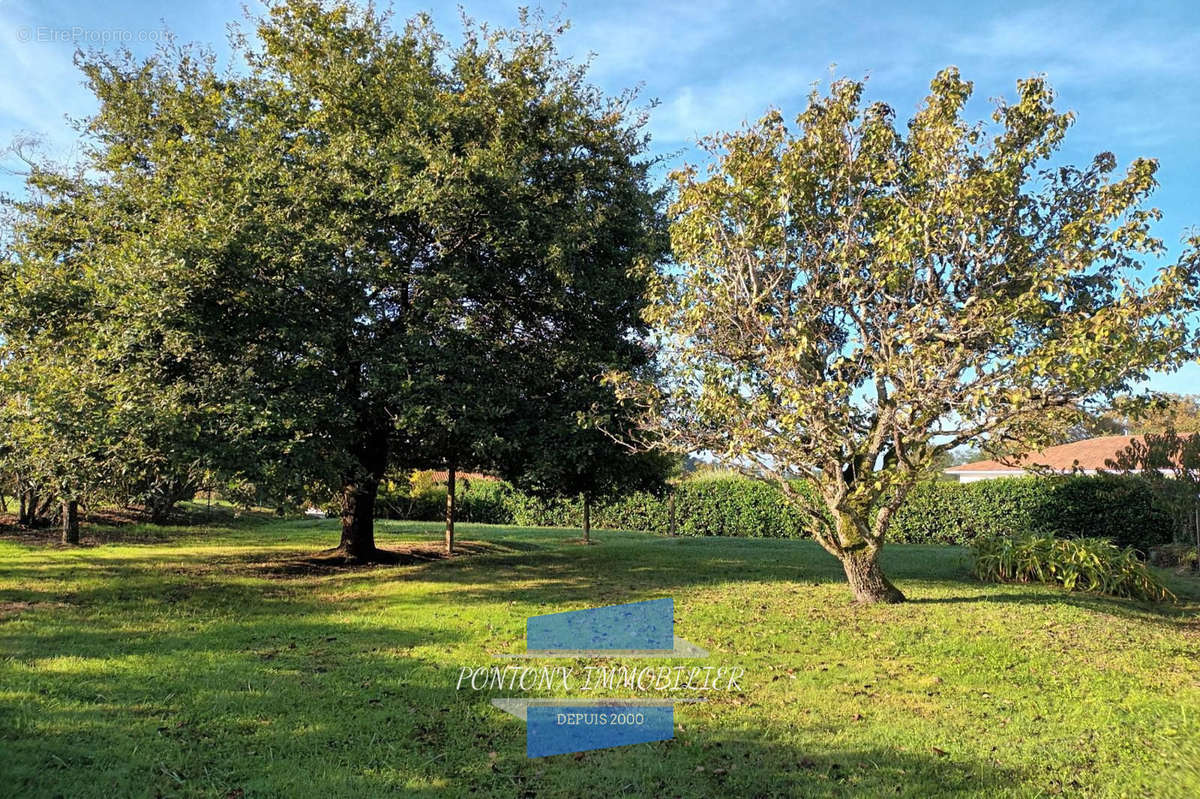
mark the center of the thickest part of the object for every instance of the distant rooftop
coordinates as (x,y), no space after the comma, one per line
(441,476)
(1089,455)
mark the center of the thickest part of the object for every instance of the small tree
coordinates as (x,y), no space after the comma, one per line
(1161,413)
(854,298)
(581,457)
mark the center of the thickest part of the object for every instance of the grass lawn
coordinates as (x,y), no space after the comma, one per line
(193,662)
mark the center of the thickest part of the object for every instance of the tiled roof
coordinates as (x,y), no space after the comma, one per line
(443,475)
(1091,453)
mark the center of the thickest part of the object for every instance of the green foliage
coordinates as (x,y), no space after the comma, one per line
(706,506)
(1077,564)
(1165,413)
(638,510)
(713,506)
(733,506)
(366,247)
(422,499)
(854,295)
(1157,455)
(1123,509)
(1181,555)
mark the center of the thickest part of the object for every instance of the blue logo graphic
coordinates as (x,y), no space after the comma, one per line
(646,625)
(639,629)
(559,729)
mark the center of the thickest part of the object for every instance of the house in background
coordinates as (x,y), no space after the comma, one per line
(1087,457)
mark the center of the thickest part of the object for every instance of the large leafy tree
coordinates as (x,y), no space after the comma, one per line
(854,298)
(346,255)
(83,419)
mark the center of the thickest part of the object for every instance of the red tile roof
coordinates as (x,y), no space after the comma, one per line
(1089,454)
(443,475)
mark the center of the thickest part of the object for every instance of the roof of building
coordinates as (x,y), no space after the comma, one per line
(441,476)
(1089,454)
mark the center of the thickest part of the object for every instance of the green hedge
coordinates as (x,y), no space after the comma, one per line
(723,506)
(637,511)
(1122,509)
(703,507)
(732,506)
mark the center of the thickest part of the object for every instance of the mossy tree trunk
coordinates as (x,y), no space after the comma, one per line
(857,547)
(868,582)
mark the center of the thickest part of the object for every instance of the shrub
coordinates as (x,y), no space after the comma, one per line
(737,506)
(1181,555)
(480,501)
(1121,508)
(1077,564)
(711,505)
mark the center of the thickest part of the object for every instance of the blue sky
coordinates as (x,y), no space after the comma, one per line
(1130,71)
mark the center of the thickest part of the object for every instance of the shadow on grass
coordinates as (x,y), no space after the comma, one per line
(332,717)
(1180,616)
(756,766)
(195,674)
(535,567)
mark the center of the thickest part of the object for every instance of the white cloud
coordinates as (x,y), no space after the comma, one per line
(1081,46)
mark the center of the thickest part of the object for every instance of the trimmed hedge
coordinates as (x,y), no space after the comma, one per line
(703,507)
(1122,509)
(637,511)
(706,506)
(732,506)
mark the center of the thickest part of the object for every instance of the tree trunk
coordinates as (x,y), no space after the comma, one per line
(43,509)
(358,499)
(450,508)
(158,510)
(866,579)
(587,519)
(29,502)
(70,522)
(1196,525)
(671,511)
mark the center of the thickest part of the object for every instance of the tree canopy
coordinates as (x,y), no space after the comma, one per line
(853,297)
(362,250)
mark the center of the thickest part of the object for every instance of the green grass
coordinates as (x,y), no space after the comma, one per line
(184,664)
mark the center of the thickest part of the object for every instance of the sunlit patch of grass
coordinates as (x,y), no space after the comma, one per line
(182,664)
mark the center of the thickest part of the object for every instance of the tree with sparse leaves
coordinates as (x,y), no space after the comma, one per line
(1160,413)
(854,298)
